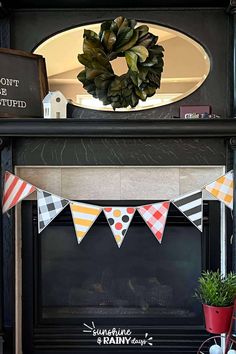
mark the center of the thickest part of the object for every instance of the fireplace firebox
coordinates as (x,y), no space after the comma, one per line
(143,287)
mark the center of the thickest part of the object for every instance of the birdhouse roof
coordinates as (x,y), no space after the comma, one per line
(52,95)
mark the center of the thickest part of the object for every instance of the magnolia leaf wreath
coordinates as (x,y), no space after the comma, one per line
(144,58)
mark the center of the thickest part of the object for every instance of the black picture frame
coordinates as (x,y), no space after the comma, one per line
(23,84)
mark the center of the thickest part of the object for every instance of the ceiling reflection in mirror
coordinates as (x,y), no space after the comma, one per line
(186,66)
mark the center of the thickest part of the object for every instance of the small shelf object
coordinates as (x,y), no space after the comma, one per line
(55,105)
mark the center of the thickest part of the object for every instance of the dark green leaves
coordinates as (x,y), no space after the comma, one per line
(144,59)
(142,30)
(108,40)
(141,51)
(131,59)
(128,41)
(123,23)
(147,40)
(123,39)
(91,41)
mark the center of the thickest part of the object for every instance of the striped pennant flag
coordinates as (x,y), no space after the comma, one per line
(155,216)
(191,205)
(119,219)
(84,215)
(15,189)
(222,189)
(49,206)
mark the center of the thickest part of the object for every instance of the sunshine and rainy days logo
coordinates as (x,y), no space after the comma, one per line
(116,336)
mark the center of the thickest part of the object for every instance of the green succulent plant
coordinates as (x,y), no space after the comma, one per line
(216,290)
(121,38)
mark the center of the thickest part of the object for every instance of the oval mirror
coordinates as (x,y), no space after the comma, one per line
(186,66)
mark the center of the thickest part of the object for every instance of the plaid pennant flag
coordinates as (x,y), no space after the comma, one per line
(155,216)
(222,189)
(119,219)
(191,205)
(49,206)
(15,189)
(84,215)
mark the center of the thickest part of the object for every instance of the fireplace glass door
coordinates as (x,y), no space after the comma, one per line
(143,284)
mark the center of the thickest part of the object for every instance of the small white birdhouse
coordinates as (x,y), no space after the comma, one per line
(54,105)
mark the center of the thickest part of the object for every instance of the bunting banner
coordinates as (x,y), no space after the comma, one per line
(191,205)
(15,189)
(119,219)
(155,216)
(222,189)
(84,215)
(49,206)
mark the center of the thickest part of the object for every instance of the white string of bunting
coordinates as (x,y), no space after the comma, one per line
(119,218)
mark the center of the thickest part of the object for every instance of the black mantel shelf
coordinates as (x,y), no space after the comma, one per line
(39,127)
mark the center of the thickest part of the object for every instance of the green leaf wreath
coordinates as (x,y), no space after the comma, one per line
(120,38)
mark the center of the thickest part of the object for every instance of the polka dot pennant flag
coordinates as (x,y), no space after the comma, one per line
(155,216)
(119,219)
(222,189)
(84,215)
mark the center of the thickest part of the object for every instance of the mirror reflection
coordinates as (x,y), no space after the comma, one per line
(186,66)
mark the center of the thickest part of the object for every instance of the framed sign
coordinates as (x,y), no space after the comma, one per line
(23,84)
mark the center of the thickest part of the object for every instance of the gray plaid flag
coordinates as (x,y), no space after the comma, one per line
(49,206)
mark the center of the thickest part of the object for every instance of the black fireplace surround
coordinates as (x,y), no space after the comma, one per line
(144,287)
(154,299)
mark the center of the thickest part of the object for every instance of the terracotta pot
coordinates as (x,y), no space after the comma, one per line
(217,319)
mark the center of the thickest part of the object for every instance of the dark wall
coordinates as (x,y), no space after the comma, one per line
(210,27)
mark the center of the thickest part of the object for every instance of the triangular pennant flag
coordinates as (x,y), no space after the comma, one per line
(191,205)
(119,219)
(49,206)
(15,189)
(222,189)
(155,216)
(84,215)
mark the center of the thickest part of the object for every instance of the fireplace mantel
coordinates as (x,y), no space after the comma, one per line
(167,128)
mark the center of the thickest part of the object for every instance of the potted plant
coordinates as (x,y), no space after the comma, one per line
(217,294)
